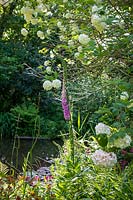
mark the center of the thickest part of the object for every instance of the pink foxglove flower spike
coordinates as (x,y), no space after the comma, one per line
(65,105)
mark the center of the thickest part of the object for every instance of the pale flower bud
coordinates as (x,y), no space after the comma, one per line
(40,34)
(24,32)
(46,62)
(80,49)
(124,95)
(48,70)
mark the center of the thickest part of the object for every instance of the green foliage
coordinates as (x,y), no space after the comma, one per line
(83,180)
(26,119)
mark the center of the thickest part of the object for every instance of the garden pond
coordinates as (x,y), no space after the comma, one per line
(14,151)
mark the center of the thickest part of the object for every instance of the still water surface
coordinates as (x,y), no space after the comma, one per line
(14,151)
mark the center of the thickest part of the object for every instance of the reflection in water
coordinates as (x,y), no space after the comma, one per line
(14,151)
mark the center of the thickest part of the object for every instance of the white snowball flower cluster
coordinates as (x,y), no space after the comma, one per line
(98,23)
(48,85)
(83,39)
(40,34)
(56,84)
(104,159)
(24,32)
(124,95)
(122,142)
(101,128)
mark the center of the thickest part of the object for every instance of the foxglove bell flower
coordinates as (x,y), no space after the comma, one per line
(65,105)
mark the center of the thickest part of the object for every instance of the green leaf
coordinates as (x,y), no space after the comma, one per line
(102,140)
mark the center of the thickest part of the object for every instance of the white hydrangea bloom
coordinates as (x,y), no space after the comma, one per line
(98,23)
(102,128)
(122,142)
(47,85)
(65,1)
(40,34)
(56,83)
(103,158)
(24,32)
(83,39)
(48,70)
(124,96)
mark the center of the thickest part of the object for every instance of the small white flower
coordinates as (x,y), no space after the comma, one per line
(94,8)
(124,95)
(63,28)
(83,39)
(70,62)
(46,62)
(49,13)
(76,55)
(41,8)
(52,54)
(56,83)
(40,34)
(34,21)
(48,70)
(80,49)
(47,85)
(122,142)
(48,31)
(61,37)
(102,129)
(126,34)
(24,32)
(71,43)
(104,159)
(68,15)
(59,24)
